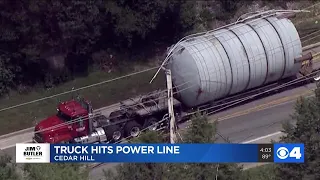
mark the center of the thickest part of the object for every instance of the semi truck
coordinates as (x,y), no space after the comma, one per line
(207,70)
(76,122)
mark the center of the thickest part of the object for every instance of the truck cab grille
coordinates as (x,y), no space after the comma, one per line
(38,138)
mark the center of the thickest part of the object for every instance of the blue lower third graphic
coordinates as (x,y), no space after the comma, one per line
(156,153)
(289,153)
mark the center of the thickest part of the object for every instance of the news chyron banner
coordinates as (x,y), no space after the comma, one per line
(159,153)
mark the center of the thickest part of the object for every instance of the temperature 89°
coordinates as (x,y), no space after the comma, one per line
(266,156)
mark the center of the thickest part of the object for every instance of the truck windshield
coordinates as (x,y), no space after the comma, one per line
(83,104)
(63,116)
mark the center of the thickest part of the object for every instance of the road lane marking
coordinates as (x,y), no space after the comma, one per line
(262,137)
(252,165)
(10,146)
(267,105)
(27,130)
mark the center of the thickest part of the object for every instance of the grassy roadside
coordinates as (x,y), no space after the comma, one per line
(100,96)
(109,93)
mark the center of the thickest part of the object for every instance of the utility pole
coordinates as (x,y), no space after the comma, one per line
(172,126)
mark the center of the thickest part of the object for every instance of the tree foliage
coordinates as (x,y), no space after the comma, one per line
(7,169)
(55,172)
(53,41)
(202,131)
(12,171)
(306,131)
(143,171)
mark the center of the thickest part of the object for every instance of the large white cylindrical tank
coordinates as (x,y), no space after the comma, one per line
(234,59)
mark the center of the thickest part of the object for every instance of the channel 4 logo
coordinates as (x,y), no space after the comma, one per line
(289,153)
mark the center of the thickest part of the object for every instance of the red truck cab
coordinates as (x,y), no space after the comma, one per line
(71,121)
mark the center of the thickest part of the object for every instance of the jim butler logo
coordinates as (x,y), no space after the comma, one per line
(32,152)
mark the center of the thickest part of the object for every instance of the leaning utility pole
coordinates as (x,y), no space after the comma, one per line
(172,126)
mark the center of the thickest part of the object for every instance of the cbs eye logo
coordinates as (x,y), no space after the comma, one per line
(283,153)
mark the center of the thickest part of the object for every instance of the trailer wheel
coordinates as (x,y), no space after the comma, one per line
(114,133)
(133,129)
(152,124)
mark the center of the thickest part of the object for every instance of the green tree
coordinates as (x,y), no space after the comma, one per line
(6,74)
(202,131)
(306,130)
(134,19)
(53,41)
(141,171)
(35,33)
(55,171)
(7,169)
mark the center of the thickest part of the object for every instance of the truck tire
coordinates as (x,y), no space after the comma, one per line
(114,133)
(132,129)
(152,124)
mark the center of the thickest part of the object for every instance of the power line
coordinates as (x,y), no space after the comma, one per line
(312,38)
(225,105)
(206,33)
(152,100)
(108,107)
(77,89)
(311,34)
(83,119)
(286,84)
